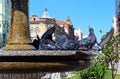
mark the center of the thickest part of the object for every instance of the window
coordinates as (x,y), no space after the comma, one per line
(34,19)
(37,31)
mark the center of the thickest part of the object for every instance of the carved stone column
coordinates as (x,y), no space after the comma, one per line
(19,36)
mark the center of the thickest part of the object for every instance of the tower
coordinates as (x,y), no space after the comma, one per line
(45,14)
(70,28)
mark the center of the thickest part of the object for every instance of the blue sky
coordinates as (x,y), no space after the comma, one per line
(97,14)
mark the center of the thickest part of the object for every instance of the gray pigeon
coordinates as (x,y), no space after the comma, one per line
(46,41)
(104,41)
(89,42)
(65,43)
(48,34)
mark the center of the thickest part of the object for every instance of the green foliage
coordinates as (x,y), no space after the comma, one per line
(111,50)
(96,72)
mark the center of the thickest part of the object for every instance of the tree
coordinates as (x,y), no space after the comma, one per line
(112,55)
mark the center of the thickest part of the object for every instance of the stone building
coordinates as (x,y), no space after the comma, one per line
(38,26)
(5,20)
(79,34)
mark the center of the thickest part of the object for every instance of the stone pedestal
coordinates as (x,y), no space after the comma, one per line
(19,36)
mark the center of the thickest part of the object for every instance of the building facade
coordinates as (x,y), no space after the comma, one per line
(79,34)
(38,26)
(5,20)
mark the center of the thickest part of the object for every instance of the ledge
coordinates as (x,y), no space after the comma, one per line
(45,61)
(44,53)
(37,53)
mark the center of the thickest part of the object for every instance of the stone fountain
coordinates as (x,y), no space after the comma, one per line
(20,60)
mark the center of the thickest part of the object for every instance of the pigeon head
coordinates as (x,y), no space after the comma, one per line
(91,30)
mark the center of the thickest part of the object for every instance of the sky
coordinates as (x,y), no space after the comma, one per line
(97,14)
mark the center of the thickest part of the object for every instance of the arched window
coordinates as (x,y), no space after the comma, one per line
(32,33)
(37,31)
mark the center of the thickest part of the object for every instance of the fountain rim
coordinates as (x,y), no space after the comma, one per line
(45,52)
(39,61)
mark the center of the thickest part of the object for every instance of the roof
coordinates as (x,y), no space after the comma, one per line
(60,23)
(34,18)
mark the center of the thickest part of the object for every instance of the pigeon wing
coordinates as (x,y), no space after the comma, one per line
(107,38)
(48,33)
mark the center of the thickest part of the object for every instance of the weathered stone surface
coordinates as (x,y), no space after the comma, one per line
(31,67)
(38,53)
(46,53)
(45,61)
(19,34)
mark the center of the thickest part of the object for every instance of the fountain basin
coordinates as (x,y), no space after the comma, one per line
(45,61)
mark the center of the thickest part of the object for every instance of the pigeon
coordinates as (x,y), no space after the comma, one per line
(48,34)
(46,40)
(64,43)
(106,39)
(88,42)
(36,42)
